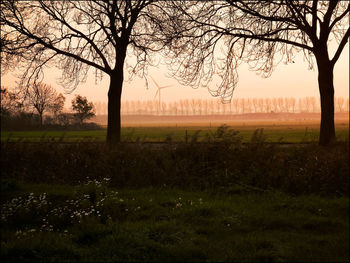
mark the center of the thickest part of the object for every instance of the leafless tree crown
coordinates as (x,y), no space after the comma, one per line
(214,37)
(78,35)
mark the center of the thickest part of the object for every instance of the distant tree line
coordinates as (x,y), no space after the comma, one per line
(40,107)
(215,106)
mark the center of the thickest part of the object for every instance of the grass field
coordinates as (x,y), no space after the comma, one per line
(290,133)
(63,224)
(220,201)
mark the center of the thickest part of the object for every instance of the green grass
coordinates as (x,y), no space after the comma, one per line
(214,201)
(284,133)
(153,224)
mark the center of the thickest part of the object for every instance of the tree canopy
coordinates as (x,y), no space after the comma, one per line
(42,97)
(214,37)
(78,35)
(83,110)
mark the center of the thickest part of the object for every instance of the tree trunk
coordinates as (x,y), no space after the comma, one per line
(114,102)
(41,119)
(326,88)
(115,94)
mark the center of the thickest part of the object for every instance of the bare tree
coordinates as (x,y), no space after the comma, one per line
(313,103)
(176,108)
(243,105)
(127,107)
(164,108)
(42,97)
(340,102)
(280,103)
(254,32)
(261,104)
(218,106)
(205,104)
(268,105)
(274,104)
(235,103)
(78,35)
(286,104)
(307,104)
(132,107)
(9,101)
(150,106)
(57,107)
(138,107)
(292,102)
(199,106)
(300,105)
(249,105)
(98,107)
(193,104)
(225,106)
(187,106)
(210,106)
(255,104)
(145,107)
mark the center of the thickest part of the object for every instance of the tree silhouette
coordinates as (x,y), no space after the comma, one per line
(254,32)
(339,102)
(10,102)
(83,110)
(42,98)
(78,35)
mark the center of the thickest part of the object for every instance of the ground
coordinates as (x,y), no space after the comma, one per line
(231,195)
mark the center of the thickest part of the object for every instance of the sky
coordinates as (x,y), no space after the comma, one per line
(292,80)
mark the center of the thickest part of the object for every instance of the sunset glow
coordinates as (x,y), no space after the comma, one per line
(293,80)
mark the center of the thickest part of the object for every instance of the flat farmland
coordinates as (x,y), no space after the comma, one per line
(287,132)
(82,202)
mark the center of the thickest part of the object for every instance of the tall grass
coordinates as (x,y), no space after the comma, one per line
(220,201)
(221,163)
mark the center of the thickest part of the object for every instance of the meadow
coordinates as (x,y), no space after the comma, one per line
(223,200)
(287,132)
(56,223)
(216,194)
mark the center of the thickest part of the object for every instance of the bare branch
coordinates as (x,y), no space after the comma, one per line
(340,47)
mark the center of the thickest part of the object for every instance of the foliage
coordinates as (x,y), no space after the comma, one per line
(83,109)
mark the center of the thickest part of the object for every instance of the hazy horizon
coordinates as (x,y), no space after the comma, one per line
(292,80)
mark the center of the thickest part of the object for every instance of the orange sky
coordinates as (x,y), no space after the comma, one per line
(287,80)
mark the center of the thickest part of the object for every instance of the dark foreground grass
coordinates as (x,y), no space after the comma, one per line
(222,162)
(215,201)
(95,223)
